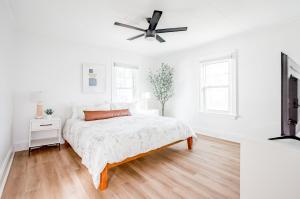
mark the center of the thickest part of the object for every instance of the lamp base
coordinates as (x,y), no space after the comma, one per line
(39,111)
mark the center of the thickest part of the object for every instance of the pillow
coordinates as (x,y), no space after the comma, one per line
(78,110)
(118,106)
(100,115)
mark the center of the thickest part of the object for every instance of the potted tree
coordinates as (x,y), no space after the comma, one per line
(162,84)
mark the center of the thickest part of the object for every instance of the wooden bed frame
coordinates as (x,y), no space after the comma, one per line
(104,177)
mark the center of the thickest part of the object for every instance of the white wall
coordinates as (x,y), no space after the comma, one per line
(54,66)
(6,107)
(258,81)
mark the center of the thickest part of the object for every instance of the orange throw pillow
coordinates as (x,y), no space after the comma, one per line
(100,115)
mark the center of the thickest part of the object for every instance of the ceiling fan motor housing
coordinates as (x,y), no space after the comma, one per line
(150,33)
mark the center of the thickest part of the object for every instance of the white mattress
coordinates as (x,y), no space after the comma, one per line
(113,140)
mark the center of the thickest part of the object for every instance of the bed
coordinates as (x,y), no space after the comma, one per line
(103,144)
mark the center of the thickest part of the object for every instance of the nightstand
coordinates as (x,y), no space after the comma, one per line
(44,132)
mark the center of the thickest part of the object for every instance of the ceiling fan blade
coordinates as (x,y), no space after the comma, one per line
(135,37)
(171,30)
(128,26)
(154,20)
(160,39)
(148,19)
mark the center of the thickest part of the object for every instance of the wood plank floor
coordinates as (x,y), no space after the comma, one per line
(211,170)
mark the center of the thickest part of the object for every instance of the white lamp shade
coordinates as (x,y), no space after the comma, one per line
(37,96)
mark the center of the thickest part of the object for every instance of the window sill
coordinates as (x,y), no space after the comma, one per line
(221,115)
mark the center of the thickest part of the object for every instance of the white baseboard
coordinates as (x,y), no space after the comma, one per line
(224,136)
(5,168)
(21,146)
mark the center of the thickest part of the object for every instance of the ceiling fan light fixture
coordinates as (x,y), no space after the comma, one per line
(150,38)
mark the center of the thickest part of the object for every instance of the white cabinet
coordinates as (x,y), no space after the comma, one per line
(270,169)
(44,132)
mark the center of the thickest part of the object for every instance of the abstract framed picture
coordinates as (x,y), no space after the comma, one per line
(93,78)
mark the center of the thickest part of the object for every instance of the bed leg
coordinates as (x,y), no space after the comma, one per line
(190,143)
(103,179)
(67,144)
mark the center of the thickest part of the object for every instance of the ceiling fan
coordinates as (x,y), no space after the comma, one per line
(151,33)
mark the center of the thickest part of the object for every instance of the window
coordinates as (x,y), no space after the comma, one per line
(124,83)
(218,86)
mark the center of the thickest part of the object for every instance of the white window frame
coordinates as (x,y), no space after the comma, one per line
(114,97)
(232,85)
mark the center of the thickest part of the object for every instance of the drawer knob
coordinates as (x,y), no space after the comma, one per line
(45,124)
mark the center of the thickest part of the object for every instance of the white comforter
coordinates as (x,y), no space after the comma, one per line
(113,140)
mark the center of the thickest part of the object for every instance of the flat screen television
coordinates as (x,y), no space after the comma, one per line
(290,73)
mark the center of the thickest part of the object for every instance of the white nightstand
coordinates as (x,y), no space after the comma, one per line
(44,132)
(153,112)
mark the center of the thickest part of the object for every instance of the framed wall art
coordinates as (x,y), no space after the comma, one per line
(93,78)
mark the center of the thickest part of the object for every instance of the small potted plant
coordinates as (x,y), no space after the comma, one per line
(49,112)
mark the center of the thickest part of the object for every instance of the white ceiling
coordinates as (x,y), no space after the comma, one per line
(91,21)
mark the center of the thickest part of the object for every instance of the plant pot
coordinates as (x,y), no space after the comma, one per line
(49,116)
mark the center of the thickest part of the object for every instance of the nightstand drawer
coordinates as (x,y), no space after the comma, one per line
(44,125)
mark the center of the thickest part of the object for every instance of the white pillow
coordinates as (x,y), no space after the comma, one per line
(78,110)
(131,106)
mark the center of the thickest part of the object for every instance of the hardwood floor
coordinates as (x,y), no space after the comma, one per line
(211,170)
